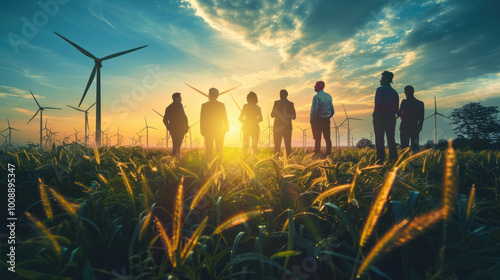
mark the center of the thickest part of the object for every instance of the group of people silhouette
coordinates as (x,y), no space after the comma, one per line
(214,122)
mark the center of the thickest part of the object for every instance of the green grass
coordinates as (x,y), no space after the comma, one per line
(118,213)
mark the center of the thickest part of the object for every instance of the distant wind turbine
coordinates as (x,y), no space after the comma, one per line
(10,132)
(303,136)
(166,137)
(40,109)
(86,119)
(96,72)
(348,125)
(435,114)
(147,131)
(337,135)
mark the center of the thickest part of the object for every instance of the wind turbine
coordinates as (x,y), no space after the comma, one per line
(40,109)
(96,72)
(86,119)
(147,131)
(10,132)
(303,136)
(190,138)
(435,122)
(166,137)
(348,127)
(371,135)
(337,135)
(268,128)
(119,138)
(76,135)
(220,93)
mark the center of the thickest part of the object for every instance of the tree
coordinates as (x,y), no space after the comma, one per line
(365,143)
(475,121)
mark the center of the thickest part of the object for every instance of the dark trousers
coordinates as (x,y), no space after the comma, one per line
(321,126)
(176,143)
(410,136)
(209,144)
(286,135)
(385,126)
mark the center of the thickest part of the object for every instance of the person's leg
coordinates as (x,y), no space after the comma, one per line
(379,140)
(255,143)
(246,139)
(219,142)
(277,142)
(175,144)
(316,130)
(390,129)
(287,135)
(404,137)
(209,146)
(326,135)
(415,142)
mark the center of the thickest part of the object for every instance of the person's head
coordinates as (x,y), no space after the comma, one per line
(386,78)
(213,93)
(177,97)
(252,98)
(283,94)
(409,91)
(320,85)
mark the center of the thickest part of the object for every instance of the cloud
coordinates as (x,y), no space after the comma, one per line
(25,111)
(6,91)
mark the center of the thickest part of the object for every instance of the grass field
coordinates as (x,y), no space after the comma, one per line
(130,213)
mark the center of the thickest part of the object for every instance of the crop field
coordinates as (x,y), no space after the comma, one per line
(133,213)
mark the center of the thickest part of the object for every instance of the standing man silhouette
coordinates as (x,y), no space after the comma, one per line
(251,116)
(411,113)
(213,123)
(384,117)
(321,112)
(283,113)
(176,121)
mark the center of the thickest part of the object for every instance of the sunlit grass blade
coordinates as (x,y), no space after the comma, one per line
(146,191)
(145,225)
(177,218)
(378,206)
(47,208)
(97,156)
(410,158)
(127,183)
(471,201)
(400,234)
(331,191)
(450,181)
(236,220)
(66,205)
(351,197)
(167,243)
(203,190)
(193,240)
(45,231)
(248,171)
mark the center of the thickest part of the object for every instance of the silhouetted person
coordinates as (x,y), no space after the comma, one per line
(283,114)
(411,113)
(384,117)
(321,112)
(251,116)
(176,122)
(213,123)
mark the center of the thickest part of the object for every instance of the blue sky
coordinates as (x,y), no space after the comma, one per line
(447,49)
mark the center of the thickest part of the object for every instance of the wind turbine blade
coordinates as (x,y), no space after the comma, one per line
(157,113)
(4,130)
(35,99)
(355,119)
(146,121)
(204,94)
(442,115)
(342,122)
(345,112)
(141,130)
(299,127)
(15,129)
(194,124)
(8,122)
(33,116)
(92,75)
(229,89)
(75,108)
(90,107)
(78,47)
(235,102)
(121,53)
(430,116)
(153,127)
(52,108)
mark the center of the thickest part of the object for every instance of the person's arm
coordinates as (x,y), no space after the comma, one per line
(242,114)
(396,103)
(421,117)
(166,119)
(330,108)
(272,111)
(226,121)
(401,110)
(292,114)
(378,101)
(314,107)
(202,121)
(259,116)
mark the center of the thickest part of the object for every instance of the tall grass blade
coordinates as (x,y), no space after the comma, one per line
(165,240)
(148,195)
(177,218)
(66,205)
(96,155)
(331,191)
(471,201)
(203,190)
(127,184)
(41,227)
(236,220)
(193,240)
(47,208)
(450,181)
(378,206)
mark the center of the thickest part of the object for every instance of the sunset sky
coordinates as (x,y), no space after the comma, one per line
(447,49)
